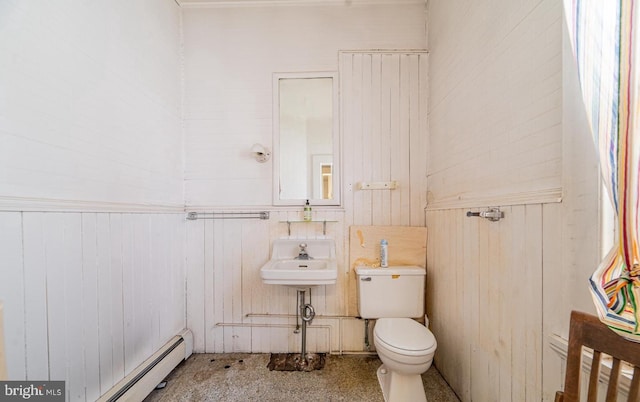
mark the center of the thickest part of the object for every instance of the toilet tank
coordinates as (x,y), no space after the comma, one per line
(390,292)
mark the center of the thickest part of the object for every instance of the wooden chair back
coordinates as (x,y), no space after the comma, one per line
(588,331)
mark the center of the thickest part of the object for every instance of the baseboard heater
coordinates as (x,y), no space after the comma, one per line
(137,385)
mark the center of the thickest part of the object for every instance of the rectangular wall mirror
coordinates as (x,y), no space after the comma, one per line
(305,139)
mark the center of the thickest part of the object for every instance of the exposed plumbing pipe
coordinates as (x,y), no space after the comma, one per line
(307,312)
(327,327)
(303,351)
(366,334)
(297,330)
(319,316)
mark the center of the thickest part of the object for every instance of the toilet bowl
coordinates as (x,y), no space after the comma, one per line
(406,349)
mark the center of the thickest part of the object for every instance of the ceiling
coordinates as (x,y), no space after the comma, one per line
(253,3)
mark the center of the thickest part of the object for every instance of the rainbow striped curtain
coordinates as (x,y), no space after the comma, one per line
(605,37)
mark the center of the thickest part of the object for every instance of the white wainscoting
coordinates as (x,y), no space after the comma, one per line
(485,299)
(89,296)
(229,309)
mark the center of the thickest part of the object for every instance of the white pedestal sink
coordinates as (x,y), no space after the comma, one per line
(284,269)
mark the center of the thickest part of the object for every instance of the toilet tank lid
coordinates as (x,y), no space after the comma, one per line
(411,270)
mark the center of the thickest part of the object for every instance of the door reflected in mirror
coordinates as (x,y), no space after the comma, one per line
(305,139)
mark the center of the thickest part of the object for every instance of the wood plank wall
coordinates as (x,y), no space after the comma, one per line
(229,309)
(502,270)
(485,289)
(384,125)
(93,124)
(101,97)
(89,296)
(382,141)
(505,131)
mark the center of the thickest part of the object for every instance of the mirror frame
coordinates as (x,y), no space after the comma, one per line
(337,189)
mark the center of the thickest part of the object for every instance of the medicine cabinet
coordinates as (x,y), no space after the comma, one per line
(305,140)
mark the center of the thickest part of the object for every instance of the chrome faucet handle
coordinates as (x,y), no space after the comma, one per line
(302,254)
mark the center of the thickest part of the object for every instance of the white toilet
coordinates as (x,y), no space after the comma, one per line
(393,296)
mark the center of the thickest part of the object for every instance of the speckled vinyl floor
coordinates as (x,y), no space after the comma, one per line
(245,377)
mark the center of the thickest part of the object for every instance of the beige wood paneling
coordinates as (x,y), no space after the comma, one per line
(485,298)
(407,246)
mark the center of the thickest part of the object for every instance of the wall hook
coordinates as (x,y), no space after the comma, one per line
(261,153)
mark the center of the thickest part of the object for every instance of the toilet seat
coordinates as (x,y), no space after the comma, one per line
(404,336)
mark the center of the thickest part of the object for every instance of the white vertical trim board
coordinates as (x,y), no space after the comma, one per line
(12,293)
(90,315)
(3,360)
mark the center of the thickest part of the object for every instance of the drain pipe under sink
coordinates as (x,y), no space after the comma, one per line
(307,312)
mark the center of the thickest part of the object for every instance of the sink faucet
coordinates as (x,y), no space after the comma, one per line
(302,255)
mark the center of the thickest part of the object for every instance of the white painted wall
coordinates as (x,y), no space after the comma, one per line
(506,128)
(95,119)
(586,219)
(107,138)
(224,117)
(229,309)
(230,56)
(495,100)
(90,120)
(90,102)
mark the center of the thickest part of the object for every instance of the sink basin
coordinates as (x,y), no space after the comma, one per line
(284,269)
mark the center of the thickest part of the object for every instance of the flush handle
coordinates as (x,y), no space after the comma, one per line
(367,279)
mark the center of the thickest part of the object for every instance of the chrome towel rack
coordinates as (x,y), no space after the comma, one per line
(192,216)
